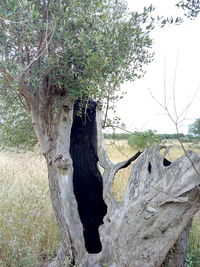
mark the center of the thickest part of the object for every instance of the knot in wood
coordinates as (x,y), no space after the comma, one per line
(99,105)
(67,106)
(61,162)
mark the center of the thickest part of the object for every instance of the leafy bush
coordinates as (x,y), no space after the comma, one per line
(15,123)
(193,258)
(144,139)
(16,130)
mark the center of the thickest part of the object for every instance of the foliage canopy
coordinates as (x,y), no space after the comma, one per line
(15,126)
(80,48)
(191,7)
(77,49)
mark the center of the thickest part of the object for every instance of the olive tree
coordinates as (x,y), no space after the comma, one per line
(63,59)
(190,7)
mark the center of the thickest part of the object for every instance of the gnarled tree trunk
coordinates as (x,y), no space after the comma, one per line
(160,200)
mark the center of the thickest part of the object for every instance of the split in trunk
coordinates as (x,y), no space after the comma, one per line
(87,179)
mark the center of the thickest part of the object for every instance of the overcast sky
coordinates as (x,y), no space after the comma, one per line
(172,45)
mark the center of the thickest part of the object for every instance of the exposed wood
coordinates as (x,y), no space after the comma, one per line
(159,202)
(155,207)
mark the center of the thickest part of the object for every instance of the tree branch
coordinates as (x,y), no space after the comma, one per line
(23,89)
(126,163)
(43,48)
(6,75)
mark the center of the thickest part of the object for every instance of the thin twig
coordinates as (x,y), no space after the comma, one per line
(177,120)
(106,112)
(174,86)
(40,53)
(118,149)
(118,127)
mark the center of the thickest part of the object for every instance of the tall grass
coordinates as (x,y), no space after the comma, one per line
(28,233)
(193,256)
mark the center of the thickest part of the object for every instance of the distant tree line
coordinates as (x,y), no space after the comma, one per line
(141,140)
(167,136)
(117,136)
(16,131)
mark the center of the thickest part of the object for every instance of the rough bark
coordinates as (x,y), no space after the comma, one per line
(159,202)
(177,254)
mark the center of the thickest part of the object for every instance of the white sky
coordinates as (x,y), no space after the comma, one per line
(181,44)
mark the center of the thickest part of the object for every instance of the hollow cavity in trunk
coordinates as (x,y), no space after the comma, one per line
(87,180)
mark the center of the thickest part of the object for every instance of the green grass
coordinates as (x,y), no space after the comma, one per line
(193,256)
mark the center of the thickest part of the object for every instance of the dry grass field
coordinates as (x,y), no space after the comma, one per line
(28,232)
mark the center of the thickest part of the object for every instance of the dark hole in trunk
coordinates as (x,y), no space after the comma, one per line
(149,167)
(166,162)
(87,180)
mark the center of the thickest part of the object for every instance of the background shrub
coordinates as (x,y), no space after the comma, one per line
(144,139)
